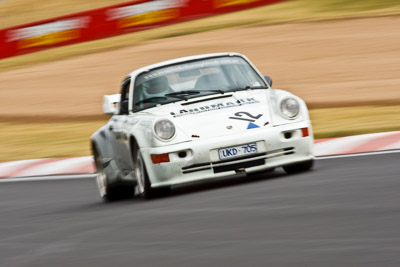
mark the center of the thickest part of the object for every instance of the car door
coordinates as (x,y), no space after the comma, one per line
(118,126)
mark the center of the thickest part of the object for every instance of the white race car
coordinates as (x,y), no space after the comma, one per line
(197,118)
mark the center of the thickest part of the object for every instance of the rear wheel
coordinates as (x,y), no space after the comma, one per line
(107,191)
(299,167)
(142,178)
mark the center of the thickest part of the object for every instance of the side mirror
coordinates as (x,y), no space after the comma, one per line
(110,103)
(268,79)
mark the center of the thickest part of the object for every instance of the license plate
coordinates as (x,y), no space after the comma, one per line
(237,151)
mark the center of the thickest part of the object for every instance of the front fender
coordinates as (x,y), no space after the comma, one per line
(276,95)
(103,144)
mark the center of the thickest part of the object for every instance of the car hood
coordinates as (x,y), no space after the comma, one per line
(219,115)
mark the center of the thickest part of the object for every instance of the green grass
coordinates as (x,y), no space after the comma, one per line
(29,140)
(335,122)
(352,5)
(288,11)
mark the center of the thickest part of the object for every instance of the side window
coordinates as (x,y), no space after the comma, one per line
(124,103)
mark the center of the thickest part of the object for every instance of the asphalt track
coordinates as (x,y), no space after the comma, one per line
(344,213)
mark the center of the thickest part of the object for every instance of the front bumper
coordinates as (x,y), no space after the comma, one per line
(199,160)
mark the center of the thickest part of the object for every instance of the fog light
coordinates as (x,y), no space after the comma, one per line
(156,159)
(182,154)
(287,135)
(304,132)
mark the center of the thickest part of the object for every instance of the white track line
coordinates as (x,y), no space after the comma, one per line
(58,167)
(14,166)
(342,144)
(392,146)
(359,154)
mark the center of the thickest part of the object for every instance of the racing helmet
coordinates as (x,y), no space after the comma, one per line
(157,85)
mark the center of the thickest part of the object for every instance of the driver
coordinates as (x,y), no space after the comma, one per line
(157,87)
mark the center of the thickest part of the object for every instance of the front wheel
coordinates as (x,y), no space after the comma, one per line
(142,179)
(299,167)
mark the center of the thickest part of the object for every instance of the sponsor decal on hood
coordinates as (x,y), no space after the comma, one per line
(212,107)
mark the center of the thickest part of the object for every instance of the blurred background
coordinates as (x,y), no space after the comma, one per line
(341,56)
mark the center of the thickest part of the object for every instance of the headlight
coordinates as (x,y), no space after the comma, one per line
(164,129)
(290,107)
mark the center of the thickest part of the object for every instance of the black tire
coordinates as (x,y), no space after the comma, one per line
(142,178)
(109,192)
(299,167)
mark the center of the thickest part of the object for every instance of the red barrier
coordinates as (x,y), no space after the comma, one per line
(112,20)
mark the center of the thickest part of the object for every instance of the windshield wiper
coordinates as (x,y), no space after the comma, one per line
(181,94)
(214,91)
(193,92)
(156,99)
(151,100)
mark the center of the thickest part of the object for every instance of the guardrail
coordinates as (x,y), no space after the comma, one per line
(111,21)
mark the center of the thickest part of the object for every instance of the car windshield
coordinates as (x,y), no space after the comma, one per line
(193,79)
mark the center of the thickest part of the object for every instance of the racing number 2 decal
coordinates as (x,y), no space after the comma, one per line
(245,116)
